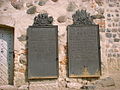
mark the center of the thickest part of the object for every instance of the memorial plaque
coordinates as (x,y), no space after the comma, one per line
(42,52)
(84,50)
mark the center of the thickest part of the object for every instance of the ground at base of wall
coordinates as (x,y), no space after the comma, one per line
(9,87)
(14,88)
(108,83)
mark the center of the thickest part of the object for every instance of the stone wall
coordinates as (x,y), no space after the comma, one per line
(20,14)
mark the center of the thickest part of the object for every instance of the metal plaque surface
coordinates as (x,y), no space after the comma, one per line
(83,51)
(42,52)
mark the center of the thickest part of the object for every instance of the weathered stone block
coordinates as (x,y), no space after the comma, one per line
(23,59)
(23,87)
(42,2)
(31,10)
(108,35)
(17,4)
(54,0)
(89,87)
(62,19)
(8,87)
(116,40)
(74,85)
(107,82)
(114,35)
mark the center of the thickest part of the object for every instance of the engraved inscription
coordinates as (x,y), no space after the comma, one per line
(42,52)
(83,49)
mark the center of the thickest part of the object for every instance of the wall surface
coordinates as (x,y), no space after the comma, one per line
(20,14)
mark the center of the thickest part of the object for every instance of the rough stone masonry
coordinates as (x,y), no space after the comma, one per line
(19,14)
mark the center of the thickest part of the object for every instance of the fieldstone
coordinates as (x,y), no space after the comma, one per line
(8,87)
(111,5)
(23,59)
(108,15)
(74,85)
(110,55)
(114,35)
(88,87)
(97,16)
(108,30)
(42,2)
(107,82)
(31,10)
(71,6)
(108,35)
(72,80)
(22,38)
(19,78)
(5,9)
(62,82)
(114,55)
(54,0)
(17,4)
(99,2)
(110,41)
(116,40)
(118,55)
(23,87)
(62,19)
(114,30)
(116,10)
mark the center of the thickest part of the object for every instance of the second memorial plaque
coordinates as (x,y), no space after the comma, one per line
(83,46)
(83,51)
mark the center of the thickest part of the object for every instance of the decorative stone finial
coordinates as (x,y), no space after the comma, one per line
(82,17)
(43,19)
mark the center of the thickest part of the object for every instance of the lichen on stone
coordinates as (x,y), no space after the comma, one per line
(31,10)
(42,2)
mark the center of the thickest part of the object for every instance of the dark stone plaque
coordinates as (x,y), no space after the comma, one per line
(42,48)
(42,52)
(84,51)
